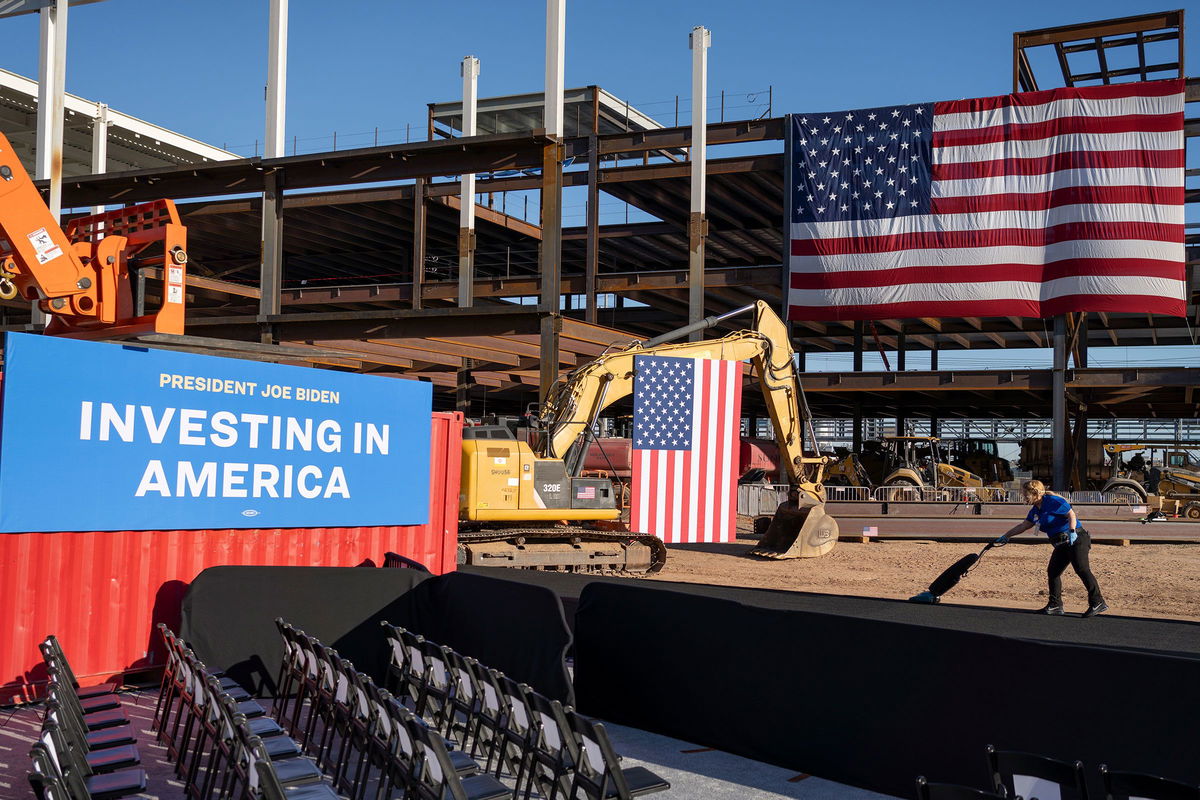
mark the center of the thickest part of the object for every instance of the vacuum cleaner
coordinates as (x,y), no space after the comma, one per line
(953,574)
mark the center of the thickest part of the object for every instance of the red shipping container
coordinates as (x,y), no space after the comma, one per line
(613,455)
(101,593)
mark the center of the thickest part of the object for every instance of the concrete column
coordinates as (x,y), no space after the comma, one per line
(466,214)
(699,40)
(1058,398)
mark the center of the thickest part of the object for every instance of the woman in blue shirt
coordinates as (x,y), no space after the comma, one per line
(1054,516)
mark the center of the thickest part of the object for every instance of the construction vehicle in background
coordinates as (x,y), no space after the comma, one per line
(916,463)
(980,457)
(529,505)
(80,275)
(1167,477)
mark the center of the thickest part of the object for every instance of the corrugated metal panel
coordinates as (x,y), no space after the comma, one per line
(102,593)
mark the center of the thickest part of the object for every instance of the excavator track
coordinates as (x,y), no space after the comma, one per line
(563,549)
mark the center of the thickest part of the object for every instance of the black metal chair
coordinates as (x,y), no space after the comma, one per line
(953,791)
(598,772)
(554,753)
(1013,774)
(263,781)
(434,775)
(1125,785)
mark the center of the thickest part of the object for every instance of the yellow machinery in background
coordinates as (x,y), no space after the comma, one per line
(1170,482)
(916,462)
(524,505)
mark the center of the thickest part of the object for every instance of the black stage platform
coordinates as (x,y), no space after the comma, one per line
(875,692)
(1109,630)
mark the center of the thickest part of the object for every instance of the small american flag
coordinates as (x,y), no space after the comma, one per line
(1029,205)
(687,415)
(586,493)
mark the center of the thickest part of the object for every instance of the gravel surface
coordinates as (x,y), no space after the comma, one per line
(1148,580)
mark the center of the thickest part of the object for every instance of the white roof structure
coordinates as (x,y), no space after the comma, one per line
(132,143)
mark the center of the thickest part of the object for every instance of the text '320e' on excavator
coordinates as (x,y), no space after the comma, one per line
(524,505)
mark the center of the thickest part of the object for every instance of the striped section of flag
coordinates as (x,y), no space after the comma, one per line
(1029,204)
(686,423)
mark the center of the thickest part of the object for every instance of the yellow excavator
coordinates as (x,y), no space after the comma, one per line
(1173,486)
(528,505)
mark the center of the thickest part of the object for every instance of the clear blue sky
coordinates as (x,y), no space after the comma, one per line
(199,66)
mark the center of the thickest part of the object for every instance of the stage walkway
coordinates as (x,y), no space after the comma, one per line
(1175,637)
(693,771)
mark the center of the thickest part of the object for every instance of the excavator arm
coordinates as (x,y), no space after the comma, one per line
(80,275)
(576,403)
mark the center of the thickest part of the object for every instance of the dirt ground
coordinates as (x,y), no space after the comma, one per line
(1140,580)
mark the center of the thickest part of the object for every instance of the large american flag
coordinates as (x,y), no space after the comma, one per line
(687,415)
(1030,205)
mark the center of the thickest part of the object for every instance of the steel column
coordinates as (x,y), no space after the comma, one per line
(271,277)
(466,216)
(418,260)
(462,389)
(273,147)
(551,327)
(858,346)
(552,155)
(100,145)
(592,259)
(933,354)
(1058,396)
(699,41)
(901,348)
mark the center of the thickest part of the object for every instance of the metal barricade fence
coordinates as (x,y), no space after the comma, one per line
(759,499)
(854,494)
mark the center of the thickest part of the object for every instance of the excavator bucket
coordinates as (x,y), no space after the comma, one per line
(798,531)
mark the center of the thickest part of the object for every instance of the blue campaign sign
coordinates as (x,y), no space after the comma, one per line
(99,436)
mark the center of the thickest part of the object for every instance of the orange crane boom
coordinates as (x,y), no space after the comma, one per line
(80,276)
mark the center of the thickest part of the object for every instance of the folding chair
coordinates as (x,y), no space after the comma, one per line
(434,776)
(80,786)
(1016,774)
(45,779)
(323,706)
(554,752)
(465,699)
(436,701)
(292,768)
(93,720)
(952,791)
(517,731)
(52,645)
(1126,785)
(398,661)
(309,686)
(490,717)
(598,771)
(418,670)
(86,762)
(93,699)
(263,781)
(114,736)
(290,665)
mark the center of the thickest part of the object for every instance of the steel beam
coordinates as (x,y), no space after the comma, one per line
(1058,399)
(466,216)
(592,253)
